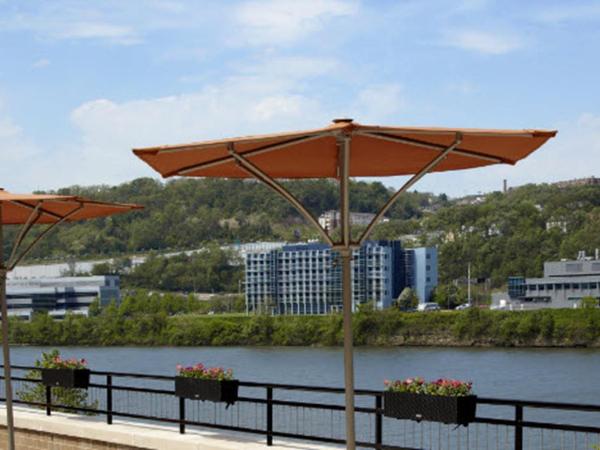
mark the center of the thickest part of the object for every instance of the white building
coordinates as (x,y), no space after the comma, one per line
(59,295)
(330,220)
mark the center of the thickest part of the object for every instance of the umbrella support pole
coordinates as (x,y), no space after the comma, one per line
(5,348)
(346,257)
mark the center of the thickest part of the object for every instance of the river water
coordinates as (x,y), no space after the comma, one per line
(558,375)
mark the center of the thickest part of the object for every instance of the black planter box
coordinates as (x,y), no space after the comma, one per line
(211,390)
(66,378)
(432,408)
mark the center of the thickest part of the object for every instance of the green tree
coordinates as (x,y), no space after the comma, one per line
(589,302)
(407,299)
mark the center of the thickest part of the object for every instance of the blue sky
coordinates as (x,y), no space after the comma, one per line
(82,82)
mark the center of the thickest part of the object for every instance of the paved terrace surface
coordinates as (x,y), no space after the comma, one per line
(142,435)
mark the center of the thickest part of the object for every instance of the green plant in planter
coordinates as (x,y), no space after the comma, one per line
(443,400)
(36,392)
(442,387)
(204,373)
(58,363)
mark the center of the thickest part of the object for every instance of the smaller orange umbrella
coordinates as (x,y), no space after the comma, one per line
(29,210)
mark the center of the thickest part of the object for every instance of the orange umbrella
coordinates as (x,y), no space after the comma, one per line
(29,210)
(342,150)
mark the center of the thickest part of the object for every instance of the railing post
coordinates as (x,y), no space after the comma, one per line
(181,415)
(48,400)
(109,400)
(519,427)
(269,415)
(378,422)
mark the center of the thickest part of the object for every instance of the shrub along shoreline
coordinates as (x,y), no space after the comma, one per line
(158,326)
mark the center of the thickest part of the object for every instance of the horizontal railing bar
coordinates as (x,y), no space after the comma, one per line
(291,387)
(299,387)
(538,404)
(539,425)
(324,406)
(101,372)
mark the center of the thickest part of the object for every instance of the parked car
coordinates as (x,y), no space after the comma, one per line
(463,306)
(423,307)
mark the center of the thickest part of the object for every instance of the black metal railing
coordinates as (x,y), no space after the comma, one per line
(316,413)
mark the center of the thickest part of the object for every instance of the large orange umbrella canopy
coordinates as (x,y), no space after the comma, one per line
(342,150)
(375,151)
(17,208)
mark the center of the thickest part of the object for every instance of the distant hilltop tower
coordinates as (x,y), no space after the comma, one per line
(504,186)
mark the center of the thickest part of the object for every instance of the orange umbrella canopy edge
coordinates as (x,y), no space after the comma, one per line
(17,208)
(375,151)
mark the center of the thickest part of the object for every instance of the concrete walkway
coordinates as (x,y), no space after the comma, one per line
(145,435)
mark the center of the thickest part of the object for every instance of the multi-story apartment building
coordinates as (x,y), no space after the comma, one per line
(563,285)
(59,295)
(306,278)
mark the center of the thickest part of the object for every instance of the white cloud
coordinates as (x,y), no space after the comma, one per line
(238,106)
(96,30)
(60,21)
(490,43)
(570,11)
(113,21)
(16,156)
(463,87)
(8,129)
(278,22)
(41,63)
(379,103)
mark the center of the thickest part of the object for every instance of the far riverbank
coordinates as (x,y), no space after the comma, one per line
(166,326)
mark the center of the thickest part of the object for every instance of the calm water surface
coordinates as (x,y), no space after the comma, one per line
(569,375)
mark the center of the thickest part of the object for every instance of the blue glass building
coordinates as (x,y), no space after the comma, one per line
(306,278)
